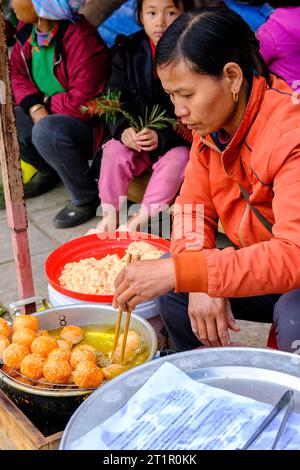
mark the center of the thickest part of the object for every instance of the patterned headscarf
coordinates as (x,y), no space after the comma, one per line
(58,9)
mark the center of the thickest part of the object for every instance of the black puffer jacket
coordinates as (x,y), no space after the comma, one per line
(133,74)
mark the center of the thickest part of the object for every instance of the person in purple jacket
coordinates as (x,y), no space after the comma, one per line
(279,40)
(58,64)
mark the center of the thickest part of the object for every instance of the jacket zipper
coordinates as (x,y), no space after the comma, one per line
(24,58)
(56,63)
(246,210)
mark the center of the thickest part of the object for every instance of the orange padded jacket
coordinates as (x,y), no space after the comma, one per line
(264,158)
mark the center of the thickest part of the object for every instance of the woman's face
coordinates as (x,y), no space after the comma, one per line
(24,11)
(157,15)
(202,102)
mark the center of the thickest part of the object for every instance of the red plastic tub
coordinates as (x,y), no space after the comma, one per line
(97,246)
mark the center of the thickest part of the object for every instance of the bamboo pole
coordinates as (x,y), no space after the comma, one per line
(12,177)
(96,11)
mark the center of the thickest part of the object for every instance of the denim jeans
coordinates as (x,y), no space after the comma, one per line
(59,145)
(283,310)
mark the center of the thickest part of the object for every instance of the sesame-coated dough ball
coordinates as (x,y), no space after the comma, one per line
(112,370)
(87,347)
(4,342)
(134,345)
(57,372)
(32,366)
(24,381)
(87,375)
(43,345)
(14,354)
(59,354)
(9,371)
(23,336)
(43,333)
(64,344)
(73,334)
(4,327)
(26,321)
(81,355)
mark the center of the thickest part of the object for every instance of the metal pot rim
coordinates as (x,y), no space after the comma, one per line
(77,392)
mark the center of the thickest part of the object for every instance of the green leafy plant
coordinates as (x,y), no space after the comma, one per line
(109,106)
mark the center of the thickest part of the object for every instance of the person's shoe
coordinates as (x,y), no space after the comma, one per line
(72,215)
(40,184)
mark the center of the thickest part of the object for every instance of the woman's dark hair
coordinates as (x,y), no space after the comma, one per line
(253,2)
(187,5)
(210,3)
(209,38)
(284,3)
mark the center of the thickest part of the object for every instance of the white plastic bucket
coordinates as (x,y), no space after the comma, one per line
(145,310)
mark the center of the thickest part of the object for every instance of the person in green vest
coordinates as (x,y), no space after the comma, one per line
(58,64)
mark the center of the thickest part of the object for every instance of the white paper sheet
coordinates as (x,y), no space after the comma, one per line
(172,411)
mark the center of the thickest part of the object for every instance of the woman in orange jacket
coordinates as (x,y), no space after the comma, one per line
(244,171)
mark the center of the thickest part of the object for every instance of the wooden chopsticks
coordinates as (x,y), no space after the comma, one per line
(119,318)
(118,323)
(125,334)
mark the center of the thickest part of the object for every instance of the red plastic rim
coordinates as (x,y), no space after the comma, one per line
(98,246)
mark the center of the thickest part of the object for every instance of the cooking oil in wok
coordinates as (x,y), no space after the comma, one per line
(102,337)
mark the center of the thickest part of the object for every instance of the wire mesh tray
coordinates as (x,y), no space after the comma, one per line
(41,385)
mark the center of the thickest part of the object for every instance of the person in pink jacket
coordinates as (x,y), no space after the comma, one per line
(58,64)
(279,39)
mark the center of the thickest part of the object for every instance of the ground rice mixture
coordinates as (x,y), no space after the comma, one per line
(97,276)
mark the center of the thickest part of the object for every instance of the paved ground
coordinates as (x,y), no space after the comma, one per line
(44,238)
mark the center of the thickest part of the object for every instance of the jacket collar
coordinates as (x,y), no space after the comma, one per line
(259,87)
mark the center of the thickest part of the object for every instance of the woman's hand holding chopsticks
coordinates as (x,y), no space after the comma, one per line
(142,281)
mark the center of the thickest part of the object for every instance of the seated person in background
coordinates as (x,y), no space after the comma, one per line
(130,153)
(10,22)
(243,170)
(121,21)
(279,40)
(58,63)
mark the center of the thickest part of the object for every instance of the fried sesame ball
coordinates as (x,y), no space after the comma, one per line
(32,366)
(4,342)
(43,333)
(23,336)
(111,371)
(14,354)
(134,345)
(42,384)
(73,334)
(26,321)
(87,347)
(133,340)
(4,327)
(9,371)
(64,344)
(81,355)
(24,381)
(59,354)
(57,371)
(87,375)
(43,345)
